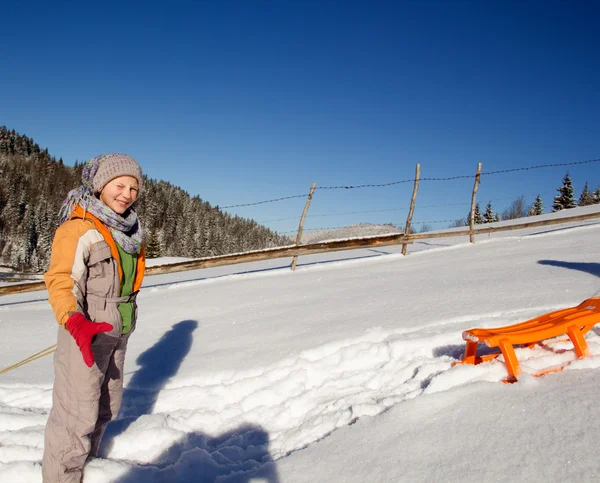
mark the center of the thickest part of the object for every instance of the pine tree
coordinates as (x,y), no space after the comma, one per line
(198,237)
(152,245)
(597,196)
(586,197)
(488,216)
(477,216)
(32,236)
(537,208)
(565,199)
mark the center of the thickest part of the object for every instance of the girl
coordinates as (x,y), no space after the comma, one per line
(96,269)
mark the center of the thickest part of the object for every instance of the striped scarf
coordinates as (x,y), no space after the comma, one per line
(126,229)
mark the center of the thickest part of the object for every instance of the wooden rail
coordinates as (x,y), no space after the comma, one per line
(323,247)
(494,229)
(281,252)
(256,256)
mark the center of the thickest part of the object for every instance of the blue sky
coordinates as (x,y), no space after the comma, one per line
(243,101)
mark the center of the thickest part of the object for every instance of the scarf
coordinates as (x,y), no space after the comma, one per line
(125,229)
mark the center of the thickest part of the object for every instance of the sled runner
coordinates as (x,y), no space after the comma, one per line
(574,322)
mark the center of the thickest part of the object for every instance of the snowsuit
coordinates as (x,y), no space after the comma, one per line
(85,275)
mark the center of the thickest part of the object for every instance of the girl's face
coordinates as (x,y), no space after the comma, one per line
(120,193)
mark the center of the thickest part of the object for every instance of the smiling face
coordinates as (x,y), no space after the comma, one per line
(120,193)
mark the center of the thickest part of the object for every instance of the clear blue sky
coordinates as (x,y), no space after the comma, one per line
(242,101)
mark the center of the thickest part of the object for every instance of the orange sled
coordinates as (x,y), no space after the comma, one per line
(574,322)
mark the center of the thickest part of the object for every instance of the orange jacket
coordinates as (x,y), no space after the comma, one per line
(85,269)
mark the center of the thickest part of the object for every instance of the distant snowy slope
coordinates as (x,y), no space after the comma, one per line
(358,230)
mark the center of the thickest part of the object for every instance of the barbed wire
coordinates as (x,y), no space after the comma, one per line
(397,226)
(465,176)
(280,219)
(363,185)
(330,228)
(381,185)
(402,223)
(265,201)
(541,166)
(336,214)
(320,215)
(392,225)
(445,204)
(433,221)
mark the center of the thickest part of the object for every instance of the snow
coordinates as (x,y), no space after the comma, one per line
(151,262)
(361,229)
(341,371)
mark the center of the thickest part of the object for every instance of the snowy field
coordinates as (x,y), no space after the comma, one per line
(338,372)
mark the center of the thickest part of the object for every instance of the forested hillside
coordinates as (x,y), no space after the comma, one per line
(33,185)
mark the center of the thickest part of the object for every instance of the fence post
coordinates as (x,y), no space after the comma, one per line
(473,198)
(299,235)
(412,206)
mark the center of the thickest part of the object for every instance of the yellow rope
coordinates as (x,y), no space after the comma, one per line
(37,355)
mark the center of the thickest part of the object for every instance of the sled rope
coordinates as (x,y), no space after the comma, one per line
(37,355)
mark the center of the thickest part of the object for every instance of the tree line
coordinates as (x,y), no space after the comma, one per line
(564,200)
(33,185)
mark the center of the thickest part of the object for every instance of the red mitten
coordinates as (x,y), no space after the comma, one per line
(83,331)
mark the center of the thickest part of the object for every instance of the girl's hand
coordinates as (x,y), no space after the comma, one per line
(83,331)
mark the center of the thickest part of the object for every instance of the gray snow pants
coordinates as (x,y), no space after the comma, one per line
(84,400)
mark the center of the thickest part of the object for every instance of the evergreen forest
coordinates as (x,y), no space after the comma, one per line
(33,185)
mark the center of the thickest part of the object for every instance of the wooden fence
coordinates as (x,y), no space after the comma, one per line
(323,247)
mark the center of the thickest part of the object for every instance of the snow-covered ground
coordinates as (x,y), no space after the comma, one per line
(360,229)
(338,372)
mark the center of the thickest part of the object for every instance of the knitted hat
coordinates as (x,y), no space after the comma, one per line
(113,165)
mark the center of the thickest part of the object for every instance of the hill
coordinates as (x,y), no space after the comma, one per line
(339,371)
(357,230)
(33,185)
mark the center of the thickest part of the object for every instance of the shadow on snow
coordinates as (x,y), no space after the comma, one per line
(232,457)
(590,267)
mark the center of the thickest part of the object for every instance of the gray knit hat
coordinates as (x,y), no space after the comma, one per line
(113,165)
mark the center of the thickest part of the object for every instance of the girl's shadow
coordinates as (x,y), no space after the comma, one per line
(157,365)
(234,457)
